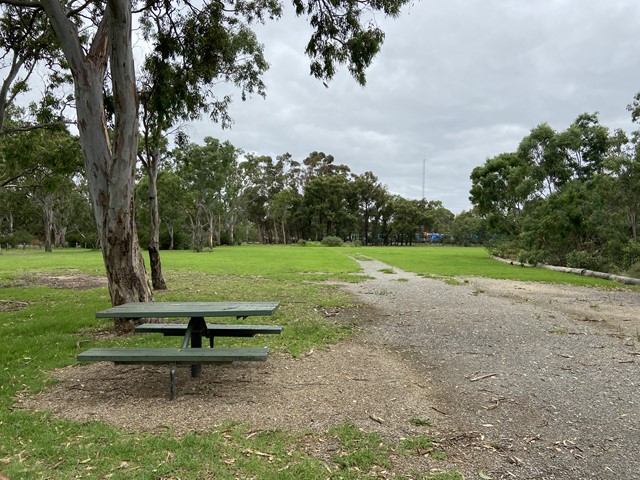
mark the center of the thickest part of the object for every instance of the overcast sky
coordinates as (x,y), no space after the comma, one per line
(456,82)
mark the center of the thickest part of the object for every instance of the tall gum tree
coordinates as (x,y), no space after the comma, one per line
(109,161)
(343,33)
(191,53)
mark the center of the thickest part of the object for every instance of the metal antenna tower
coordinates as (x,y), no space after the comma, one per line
(424,172)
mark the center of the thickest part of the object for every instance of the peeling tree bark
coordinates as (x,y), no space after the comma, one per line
(110,172)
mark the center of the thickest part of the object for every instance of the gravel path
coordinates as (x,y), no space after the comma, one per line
(530,381)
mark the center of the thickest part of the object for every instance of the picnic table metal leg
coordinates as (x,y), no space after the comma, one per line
(199,327)
(172,381)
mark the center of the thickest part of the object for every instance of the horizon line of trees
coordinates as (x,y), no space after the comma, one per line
(228,197)
(208,195)
(569,198)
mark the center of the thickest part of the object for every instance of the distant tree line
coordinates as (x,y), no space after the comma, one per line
(214,194)
(43,199)
(208,195)
(569,198)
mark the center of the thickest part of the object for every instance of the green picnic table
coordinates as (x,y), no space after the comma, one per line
(191,350)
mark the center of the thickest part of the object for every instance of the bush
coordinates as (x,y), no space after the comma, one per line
(308,243)
(332,241)
(503,248)
(353,243)
(584,259)
(631,255)
(533,257)
(74,239)
(634,270)
(18,238)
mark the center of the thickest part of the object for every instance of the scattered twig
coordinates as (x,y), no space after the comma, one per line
(532,438)
(14,302)
(439,411)
(482,377)
(376,419)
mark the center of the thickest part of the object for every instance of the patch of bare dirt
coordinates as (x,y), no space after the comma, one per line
(317,391)
(12,305)
(71,280)
(614,308)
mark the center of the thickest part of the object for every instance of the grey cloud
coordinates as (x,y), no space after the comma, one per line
(456,82)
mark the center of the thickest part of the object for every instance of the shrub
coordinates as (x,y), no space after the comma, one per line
(75,239)
(584,259)
(19,237)
(631,255)
(503,248)
(332,241)
(308,243)
(634,270)
(533,257)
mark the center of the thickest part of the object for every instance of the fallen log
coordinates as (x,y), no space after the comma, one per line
(577,271)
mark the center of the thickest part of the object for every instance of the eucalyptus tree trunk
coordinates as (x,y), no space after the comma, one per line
(633,222)
(47,211)
(211,232)
(170,231)
(109,167)
(195,224)
(219,230)
(59,235)
(232,227)
(157,277)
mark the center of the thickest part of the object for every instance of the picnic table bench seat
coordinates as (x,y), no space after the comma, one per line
(173,356)
(212,330)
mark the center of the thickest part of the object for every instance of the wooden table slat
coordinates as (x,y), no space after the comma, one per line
(189,309)
(213,329)
(173,355)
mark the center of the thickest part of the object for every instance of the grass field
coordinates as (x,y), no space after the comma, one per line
(469,262)
(41,328)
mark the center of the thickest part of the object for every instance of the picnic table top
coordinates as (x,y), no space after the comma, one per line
(189,309)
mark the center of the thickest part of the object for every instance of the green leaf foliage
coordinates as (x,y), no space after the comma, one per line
(566,197)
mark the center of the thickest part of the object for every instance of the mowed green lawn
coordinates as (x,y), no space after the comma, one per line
(469,262)
(42,327)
